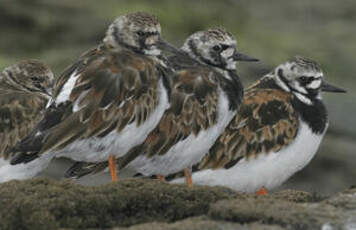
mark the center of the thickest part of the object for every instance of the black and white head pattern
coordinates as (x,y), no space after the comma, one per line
(215,47)
(137,31)
(302,77)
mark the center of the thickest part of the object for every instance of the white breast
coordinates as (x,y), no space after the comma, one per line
(99,149)
(267,170)
(189,151)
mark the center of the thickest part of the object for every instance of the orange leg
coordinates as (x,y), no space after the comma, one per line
(112,167)
(161,178)
(262,192)
(188,177)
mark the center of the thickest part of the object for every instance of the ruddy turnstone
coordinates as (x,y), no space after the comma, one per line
(276,132)
(24,93)
(108,101)
(206,93)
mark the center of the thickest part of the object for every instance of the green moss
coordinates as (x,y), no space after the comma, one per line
(149,204)
(40,202)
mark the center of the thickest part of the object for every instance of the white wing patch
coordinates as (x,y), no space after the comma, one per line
(49,103)
(76,106)
(67,88)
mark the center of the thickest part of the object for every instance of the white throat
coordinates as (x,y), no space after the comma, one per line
(153,52)
(281,83)
(223,72)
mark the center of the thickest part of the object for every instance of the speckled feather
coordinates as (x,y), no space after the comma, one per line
(193,109)
(119,90)
(276,132)
(265,122)
(19,113)
(23,97)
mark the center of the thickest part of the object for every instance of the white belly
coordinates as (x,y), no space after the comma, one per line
(267,171)
(22,171)
(118,144)
(189,151)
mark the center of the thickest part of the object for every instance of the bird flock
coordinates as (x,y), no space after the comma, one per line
(180,115)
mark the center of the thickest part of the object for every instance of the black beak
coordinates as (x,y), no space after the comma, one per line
(165,46)
(326,87)
(243,57)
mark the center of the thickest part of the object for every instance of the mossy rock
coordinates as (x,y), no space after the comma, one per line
(202,223)
(136,204)
(271,210)
(47,204)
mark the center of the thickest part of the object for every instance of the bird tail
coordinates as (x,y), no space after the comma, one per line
(26,150)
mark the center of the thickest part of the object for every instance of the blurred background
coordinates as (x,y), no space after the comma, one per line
(57,32)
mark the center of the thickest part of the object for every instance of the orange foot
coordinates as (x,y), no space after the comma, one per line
(161,178)
(112,167)
(262,192)
(188,177)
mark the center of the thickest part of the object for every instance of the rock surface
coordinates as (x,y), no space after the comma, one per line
(149,204)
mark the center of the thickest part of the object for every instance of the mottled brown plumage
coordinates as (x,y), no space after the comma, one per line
(265,122)
(276,132)
(193,109)
(119,90)
(195,104)
(103,99)
(24,92)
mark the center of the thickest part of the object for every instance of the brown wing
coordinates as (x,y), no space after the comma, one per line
(19,113)
(193,109)
(55,113)
(79,66)
(112,90)
(265,122)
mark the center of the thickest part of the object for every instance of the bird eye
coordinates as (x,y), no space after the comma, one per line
(303,78)
(306,80)
(216,48)
(140,33)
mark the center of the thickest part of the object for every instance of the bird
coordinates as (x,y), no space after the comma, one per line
(25,89)
(206,93)
(276,133)
(108,101)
